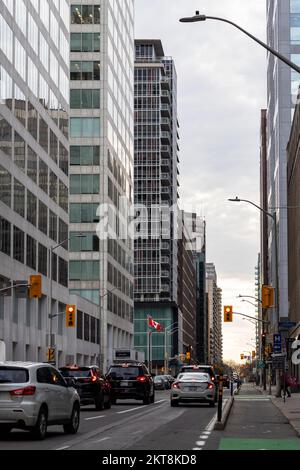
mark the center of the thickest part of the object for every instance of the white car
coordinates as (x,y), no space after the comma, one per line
(35,395)
(193,387)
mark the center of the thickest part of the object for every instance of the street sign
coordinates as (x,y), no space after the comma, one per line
(277,344)
(260,365)
(287,324)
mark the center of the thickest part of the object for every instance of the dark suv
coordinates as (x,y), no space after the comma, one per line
(92,388)
(131,380)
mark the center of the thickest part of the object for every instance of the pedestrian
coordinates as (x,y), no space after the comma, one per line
(285,383)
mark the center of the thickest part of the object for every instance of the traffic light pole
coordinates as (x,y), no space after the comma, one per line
(252,318)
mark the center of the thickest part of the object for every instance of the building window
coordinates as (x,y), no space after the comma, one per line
(93,330)
(5,135)
(32,120)
(31,253)
(90,294)
(84,270)
(63,233)
(79,325)
(85,70)
(90,242)
(52,226)
(85,155)
(85,127)
(43,218)
(31,208)
(43,176)
(63,159)
(85,14)
(42,268)
(19,245)
(63,272)
(84,213)
(86,327)
(85,99)
(5,186)
(54,267)
(5,236)
(85,42)
(53,186)
(84,184)
(19,153)
(43,134)
(31,164)
(19,198)
(63,196)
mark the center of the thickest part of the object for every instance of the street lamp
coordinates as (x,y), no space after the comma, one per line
(248,301)
(273,217)
(249,297)
(198,17)
(52,249)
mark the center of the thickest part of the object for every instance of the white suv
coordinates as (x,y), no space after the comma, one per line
(35,395)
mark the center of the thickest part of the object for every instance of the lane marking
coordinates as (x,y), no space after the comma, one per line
(132,409)
(203,437)
(197,448)
(207,432)
(160,401)
(200,443)
(63,448)
(103,439)
(94,417)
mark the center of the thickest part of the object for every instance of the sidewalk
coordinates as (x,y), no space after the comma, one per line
(255,423)
(290,409)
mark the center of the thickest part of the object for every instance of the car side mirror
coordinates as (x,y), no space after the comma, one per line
(70,382)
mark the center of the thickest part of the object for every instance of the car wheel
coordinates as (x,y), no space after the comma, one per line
(113,401)
(99,403)
(73,425)
(211,404)
(107,405)
(5,430)
(174,403)
(146,400)
(40,429)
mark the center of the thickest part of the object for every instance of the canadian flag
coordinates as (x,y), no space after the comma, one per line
(154,324)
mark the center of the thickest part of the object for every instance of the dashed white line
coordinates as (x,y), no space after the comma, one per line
(160,401)
(204,437)
(132,409)
(63,448)
(200,443)
(94,417)
(103,439)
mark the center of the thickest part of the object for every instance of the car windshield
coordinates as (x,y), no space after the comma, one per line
(198,377)
(127,372)
(76,372)
(13,375)
(158,379)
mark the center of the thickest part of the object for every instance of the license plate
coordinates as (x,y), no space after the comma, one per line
(124,383)
(193,389)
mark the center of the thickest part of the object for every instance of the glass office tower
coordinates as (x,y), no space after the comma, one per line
(101,163)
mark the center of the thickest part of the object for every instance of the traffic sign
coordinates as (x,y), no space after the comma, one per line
(287,324)
(277,344)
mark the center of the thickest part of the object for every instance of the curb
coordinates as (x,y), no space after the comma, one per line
(226,411)
(292,423)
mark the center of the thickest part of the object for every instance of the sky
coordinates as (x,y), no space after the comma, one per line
(221,91)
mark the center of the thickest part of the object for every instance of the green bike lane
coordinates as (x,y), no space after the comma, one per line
(254,424)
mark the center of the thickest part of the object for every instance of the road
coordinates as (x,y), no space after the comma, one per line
(127,425)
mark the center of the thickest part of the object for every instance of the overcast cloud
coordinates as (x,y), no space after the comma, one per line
(221,90)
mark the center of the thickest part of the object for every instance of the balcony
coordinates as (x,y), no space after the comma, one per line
(165,96)
(165,192)
(165,110)
(165,123)
(165,288)
(165,150)
(165,274)
(166,137)
(165,260)
(165,246)
(166,178)
(165,162)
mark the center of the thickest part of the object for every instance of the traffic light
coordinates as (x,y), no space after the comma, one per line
(70,316)
(35,287)
(242,357)
(188,355)
(228,313)
(267,296)
(51,354)
(253,354)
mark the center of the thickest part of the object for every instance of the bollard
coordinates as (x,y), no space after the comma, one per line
(220,398)
(231,387)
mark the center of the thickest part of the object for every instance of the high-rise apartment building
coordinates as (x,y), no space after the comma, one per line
(34,154)
(214,307)
(283,34)
(101,164)
(156,189)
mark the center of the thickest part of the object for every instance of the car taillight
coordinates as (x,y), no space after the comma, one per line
(21,392)
(212,379)
(141,378)
(210,386)
(176,385)
(94,377)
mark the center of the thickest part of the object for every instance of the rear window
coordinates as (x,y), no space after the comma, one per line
(194,376)
(206,370)
(14,375)
(76,373)
(125,372)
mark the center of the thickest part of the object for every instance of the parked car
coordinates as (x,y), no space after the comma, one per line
(34,396)
(159,383)
(92,388)
(131,380)
(208,369)
(226,381)
(193,387)
(166,381)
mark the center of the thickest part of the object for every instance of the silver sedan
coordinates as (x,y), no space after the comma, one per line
(193,387)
